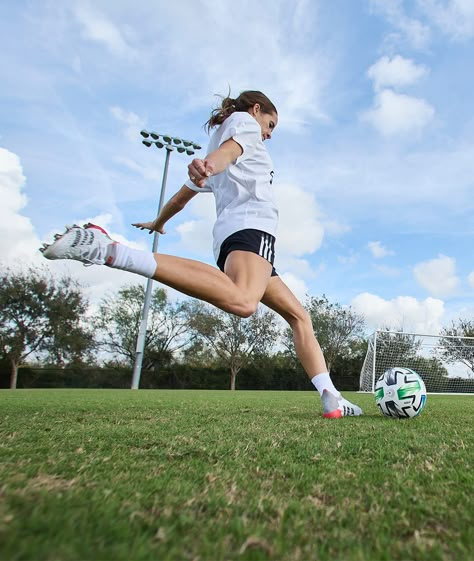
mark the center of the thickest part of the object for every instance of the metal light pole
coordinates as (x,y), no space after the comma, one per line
(170,143)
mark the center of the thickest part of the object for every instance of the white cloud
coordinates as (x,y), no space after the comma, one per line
(294,76)
(395,72)
(296,285)
(378,250)
(150,173)
(437,276)
(453,17)
(297,266)
(470,279)
(18,241)
(196,233)
(387,271)
(395,113)
(133,122)
(335,228)
(350,259)
(402,313)
(300,230)
(96,27)
(408,30)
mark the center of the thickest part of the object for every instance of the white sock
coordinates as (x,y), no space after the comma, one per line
(133,260)
(323,382)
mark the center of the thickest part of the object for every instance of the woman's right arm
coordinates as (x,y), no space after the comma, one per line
(177,202)
(214,163)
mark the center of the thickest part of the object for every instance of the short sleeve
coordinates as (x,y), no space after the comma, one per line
(197,189)
(245,130)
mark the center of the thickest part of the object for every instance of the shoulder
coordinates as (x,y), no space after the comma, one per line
(241,120)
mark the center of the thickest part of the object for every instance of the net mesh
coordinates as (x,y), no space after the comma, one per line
(446,363)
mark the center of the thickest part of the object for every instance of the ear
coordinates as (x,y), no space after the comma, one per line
(255,110)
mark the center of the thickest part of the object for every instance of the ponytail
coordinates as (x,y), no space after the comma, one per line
(244,102)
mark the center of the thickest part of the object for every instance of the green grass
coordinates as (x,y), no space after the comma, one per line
(209,475)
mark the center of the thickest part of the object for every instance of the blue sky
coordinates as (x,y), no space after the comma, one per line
(373,154)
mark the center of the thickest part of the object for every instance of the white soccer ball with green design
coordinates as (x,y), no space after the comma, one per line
(401,393)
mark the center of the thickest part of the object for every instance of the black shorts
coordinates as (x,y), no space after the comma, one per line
(255,241)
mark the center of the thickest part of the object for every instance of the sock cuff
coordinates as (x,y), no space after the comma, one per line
(132,260)
(320,376)
(323,382)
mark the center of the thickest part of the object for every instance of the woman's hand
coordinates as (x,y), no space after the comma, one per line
(199,171)
(215,162)
(153,226)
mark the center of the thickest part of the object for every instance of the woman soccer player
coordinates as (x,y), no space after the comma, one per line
(239,172)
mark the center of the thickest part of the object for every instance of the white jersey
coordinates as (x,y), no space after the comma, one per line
(243,192)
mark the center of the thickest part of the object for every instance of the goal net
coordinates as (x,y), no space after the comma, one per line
(446,363)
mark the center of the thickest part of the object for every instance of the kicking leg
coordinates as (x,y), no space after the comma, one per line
(237,291)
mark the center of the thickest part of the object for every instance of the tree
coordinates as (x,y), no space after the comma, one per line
(337,329)
(454,349)
(39,314)
(233,339)
(118,321)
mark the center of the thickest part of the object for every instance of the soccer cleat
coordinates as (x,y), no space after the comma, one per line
(336,407)
(87,244)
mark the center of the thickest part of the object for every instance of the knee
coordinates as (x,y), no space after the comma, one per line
(299,318)
(244,308)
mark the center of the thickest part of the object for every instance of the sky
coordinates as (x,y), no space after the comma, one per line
(373,153)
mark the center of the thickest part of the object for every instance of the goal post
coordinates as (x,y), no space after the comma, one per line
(445,362)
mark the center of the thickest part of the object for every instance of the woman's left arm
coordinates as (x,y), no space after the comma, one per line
(177,202)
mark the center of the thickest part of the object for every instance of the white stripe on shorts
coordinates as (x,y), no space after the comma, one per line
(266,247)
(261,251)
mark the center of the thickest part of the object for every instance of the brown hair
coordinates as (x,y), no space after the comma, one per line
(244,102)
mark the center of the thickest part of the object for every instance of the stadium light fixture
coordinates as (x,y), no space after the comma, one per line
(170,143)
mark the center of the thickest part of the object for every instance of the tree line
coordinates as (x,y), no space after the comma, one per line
(48,322)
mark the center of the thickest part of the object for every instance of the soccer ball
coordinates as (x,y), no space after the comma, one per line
(400,392)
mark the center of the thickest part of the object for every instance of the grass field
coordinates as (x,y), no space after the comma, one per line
(209,475)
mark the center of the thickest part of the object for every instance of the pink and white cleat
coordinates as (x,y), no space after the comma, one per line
(87,244)
(336,407)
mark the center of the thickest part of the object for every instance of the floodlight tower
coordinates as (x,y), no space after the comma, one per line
(169,143)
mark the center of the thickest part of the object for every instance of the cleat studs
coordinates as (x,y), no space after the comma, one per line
(57,236)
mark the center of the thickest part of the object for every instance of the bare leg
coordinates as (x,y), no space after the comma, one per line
(237,291)
(279,298)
